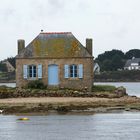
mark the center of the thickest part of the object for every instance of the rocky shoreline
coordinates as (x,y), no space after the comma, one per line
(15,100)
(68,104)
(7,92)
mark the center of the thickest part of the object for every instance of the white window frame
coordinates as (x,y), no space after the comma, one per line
(73,71)
(33,73)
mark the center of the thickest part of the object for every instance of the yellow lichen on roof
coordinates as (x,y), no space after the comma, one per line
(55,45)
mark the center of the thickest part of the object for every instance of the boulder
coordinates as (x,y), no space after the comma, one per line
(120,91)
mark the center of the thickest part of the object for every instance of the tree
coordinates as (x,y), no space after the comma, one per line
(106,65)
(132,53)
(115,59)
(3,67)
(111,60)
(109,55)
(117,62)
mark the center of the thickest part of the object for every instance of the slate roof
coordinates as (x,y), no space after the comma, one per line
(54,45)
(130,61)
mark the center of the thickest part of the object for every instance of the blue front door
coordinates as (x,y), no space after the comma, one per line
(53,75)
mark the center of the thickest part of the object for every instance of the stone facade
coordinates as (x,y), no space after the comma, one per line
(84,58)
(85,82)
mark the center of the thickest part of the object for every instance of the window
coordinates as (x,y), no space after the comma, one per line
(32,71)
(73,71)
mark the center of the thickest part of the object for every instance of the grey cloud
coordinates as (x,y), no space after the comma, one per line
(108,21)
(58,4)
(6,14)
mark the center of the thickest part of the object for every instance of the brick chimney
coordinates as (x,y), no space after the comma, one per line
(21,45)
(89,46)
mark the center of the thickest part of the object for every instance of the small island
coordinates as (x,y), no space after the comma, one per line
(56,73)
(43,100)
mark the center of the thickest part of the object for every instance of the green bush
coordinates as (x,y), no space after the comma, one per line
(103,88)
(3,87)
(37,84)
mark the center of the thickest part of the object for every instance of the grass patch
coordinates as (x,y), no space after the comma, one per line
(103,88)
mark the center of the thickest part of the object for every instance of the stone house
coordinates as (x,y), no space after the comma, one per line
(9,66)
(132,64)
(58,59)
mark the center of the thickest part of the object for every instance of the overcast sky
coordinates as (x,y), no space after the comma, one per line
(113,24)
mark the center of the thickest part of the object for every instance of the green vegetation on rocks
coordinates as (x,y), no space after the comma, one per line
(103,88)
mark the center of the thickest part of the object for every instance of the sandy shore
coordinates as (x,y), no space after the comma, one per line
(66,104)
(67,100)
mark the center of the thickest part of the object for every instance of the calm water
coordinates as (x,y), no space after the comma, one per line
(132,88)
(8,84)
(122,126)
(108,126)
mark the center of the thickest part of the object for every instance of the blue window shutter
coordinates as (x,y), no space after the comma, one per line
(73,71)
(39,71)
(25,71)
(66,71)
(80,71)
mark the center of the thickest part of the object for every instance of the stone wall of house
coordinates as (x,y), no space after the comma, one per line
(85,82)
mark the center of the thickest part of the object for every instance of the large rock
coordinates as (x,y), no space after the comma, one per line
(121,91)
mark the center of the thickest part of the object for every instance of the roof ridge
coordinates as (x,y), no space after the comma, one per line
(55,33)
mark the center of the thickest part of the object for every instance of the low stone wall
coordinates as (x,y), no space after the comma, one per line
(6,92)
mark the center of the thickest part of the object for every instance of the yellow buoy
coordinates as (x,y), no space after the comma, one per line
(23,119)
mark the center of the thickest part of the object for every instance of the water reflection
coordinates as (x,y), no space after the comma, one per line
(107,126)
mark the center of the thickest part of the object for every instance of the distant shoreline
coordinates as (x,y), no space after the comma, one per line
(115,81)
(7,81)
(118,76)
(103,81)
